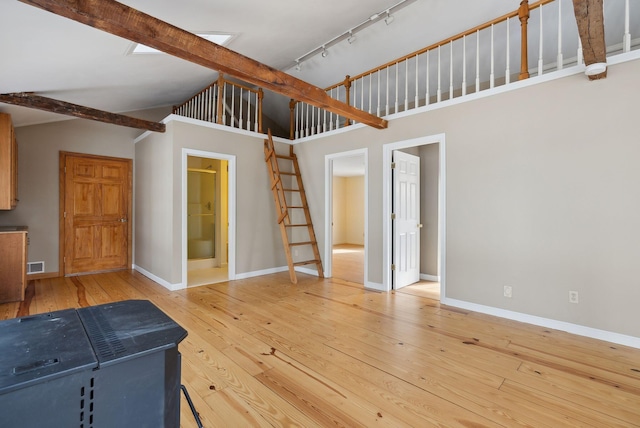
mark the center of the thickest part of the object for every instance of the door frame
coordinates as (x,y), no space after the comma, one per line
(387,205)
(61,197)
(328,213)
(231,207)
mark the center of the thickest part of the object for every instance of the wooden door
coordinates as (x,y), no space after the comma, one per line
(97,208)
(406,226)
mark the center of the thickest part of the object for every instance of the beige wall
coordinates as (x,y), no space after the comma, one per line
(38,172)
(158,177)
(348,210)
(541,195)
(429,180)
(339,220)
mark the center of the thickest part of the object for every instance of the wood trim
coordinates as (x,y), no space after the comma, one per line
(124,21)
(31,100)
(61,201)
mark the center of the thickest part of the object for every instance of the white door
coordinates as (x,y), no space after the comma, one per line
(406,226)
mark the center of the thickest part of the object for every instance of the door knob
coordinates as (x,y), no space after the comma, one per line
(419,225)
(123,220)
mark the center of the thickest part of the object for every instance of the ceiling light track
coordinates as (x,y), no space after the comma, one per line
(350,34)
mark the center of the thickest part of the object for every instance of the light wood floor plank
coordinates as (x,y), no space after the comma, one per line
(325,352)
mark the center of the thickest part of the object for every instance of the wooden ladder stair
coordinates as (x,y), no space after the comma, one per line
(284,210)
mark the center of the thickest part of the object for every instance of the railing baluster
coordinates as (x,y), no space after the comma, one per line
(579,55)
(492,75)
(416,101)
(540,60)
(464,65)
(324,120)
(427,101)
(559,60)
(478,61)
(451,70)
(240,118)
(386,109)
(362,94)
(507,72)
(626,38)
(319,121)
(257,113)
(224,103)
(378,109)
(370,92)
(395,110)
(297,113)
(439,93)
(233,105)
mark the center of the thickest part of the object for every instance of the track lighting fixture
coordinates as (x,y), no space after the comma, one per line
(350,35)
(389,19)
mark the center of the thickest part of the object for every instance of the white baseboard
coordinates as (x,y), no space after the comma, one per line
(255,273)
(165,284)
(425,277)
(594,333)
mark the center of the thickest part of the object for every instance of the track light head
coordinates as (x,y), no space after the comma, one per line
(389,19)
(351,38)
(298,65)
(324,52)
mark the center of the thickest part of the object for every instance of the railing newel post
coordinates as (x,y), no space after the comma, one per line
(523,15)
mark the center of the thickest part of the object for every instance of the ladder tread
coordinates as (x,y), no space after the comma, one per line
(297,225)
(285,157)
(297,244)
(306,262)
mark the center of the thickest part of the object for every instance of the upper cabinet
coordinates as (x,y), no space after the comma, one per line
(8,164)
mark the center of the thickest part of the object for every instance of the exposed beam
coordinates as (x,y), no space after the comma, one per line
(31,100)
(129,23)
(590,20)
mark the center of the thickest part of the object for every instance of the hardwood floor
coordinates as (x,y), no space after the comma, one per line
(264,352)
(348,262)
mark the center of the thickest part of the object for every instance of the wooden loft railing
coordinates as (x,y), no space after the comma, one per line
(493,54)
(226,103)
(480,58)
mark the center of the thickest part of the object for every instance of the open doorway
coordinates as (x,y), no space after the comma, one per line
(207,239)
(346,216)
(428,255)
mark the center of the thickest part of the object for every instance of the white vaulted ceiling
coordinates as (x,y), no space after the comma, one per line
(62,59)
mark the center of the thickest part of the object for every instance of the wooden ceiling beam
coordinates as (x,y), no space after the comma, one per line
(129,23)
(31,100)
(590,20)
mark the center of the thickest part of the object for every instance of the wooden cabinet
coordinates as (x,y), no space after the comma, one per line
(13,263)
(8,164)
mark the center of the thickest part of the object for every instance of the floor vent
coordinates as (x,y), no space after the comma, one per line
(35,267)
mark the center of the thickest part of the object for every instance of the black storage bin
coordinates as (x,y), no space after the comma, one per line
(112,365)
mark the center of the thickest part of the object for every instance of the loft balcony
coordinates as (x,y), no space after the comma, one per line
(533,41)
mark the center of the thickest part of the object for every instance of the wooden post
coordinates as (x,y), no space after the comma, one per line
(523,15)
(347,88)
(220,111)
(292,120)
(260,97)
(590,20)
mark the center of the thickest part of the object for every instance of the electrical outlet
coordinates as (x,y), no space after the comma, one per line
(508,291)
(573,297)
